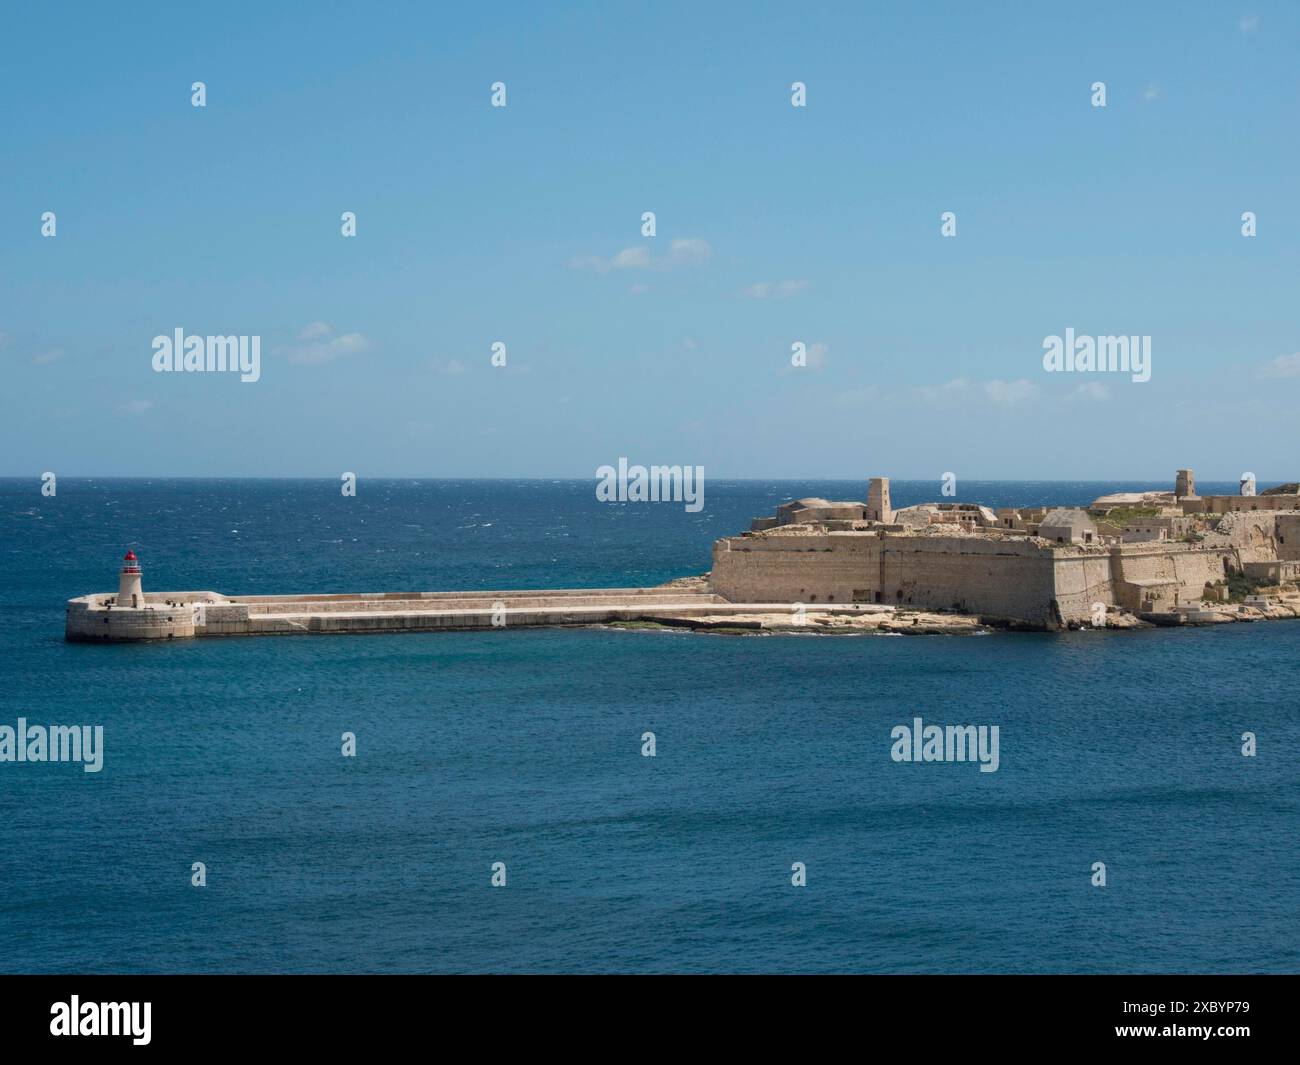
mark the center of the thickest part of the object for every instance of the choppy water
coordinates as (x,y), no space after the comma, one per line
(524,747)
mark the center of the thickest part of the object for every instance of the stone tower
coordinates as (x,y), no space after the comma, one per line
(878,508)
(1185,485)
(130,592)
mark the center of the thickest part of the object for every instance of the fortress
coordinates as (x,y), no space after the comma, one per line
(1123,561)
(1160,556)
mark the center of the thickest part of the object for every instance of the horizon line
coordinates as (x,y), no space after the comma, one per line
(592,477)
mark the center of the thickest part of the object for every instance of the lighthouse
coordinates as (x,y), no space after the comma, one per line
(130,592)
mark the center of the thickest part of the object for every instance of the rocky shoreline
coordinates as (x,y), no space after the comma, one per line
(861,619)
(843,623)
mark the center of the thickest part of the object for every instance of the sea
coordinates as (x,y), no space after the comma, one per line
(517,756)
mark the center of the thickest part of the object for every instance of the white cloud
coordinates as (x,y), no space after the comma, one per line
(47,357)
(682,251)
(1009,393)
(1282,366)
(627,259)
(940,395)
(1093,390)
(1151,92)
(135,407)
(690,250)
(774,290)
(448,367)
(961,389)
(1249,23)
(319,344)
(637,258)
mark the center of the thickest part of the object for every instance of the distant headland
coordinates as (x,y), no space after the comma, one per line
(1128,560)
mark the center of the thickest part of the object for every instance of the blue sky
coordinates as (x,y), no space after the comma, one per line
(775,224)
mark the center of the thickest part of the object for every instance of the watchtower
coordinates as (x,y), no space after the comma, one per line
(878,508)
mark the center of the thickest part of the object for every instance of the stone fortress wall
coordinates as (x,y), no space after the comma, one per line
(1287,529)
(1024,581)
(1006,579)
(1237,504)
(832,567)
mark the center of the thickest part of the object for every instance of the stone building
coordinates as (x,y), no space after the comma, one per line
(1067,525)
(810,509)
(1158,527)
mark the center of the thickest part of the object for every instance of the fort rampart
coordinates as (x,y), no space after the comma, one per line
(1024,580)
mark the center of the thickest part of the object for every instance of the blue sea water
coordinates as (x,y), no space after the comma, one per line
(524,747)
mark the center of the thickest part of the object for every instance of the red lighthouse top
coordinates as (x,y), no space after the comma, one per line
(130,556)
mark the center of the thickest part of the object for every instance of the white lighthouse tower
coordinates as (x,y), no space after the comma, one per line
(130,592)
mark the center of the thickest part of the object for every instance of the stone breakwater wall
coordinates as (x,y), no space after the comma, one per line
(1027,581)
(182,615)
(88,622)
